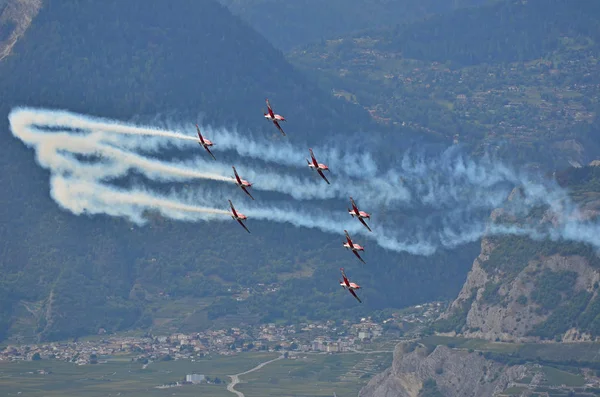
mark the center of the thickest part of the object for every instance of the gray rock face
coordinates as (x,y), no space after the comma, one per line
(456,372)
(512,318)
(15,18)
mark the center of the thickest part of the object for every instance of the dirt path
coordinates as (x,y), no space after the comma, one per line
(235,379)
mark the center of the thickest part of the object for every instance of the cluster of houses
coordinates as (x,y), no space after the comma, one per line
(319,336)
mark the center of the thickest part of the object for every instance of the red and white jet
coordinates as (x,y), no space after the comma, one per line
(205,143)
(354,247)
(359,214)
(346,284)
(317,166)
(275,118)
(238,216)
(242,183)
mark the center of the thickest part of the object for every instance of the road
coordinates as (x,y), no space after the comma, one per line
(370,351)
(235,379)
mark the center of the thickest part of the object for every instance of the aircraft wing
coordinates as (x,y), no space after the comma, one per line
(244,226)
(314,160)
(278,127)
(247,192)
(232,209)
(358,256)
(199,134)
(348,238)
(364,223)
(270,110)
(345,278)
(354,294)
(354,207)
(323,176)
(237,177)
(209,152)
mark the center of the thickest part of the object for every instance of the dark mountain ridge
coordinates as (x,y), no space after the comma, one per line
(99,64)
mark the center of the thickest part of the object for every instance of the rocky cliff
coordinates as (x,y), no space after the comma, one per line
(416,370)
(15,18)
(523,290)
(500,306)
(520,290)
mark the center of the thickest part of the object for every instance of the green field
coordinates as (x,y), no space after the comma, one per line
(310,374)
(387,345)
(583,351)
(475,344)
(558,352)
(556,377)
(315,375)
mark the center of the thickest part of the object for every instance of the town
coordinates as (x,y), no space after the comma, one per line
(305,337)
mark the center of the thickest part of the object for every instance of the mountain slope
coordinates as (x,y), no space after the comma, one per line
(63,276)
(432,368)
(518,79)
(226,89)
(118,60)
(504,32)
(418,372)
(15,17)
(289,24)
(519,289)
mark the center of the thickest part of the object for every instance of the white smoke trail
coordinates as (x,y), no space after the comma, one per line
(282,153)
(75,183)
(123,161)
(80,196)
(104,131)
(345,162)
(87,197)
(359,175)
(453,186)
(433,183)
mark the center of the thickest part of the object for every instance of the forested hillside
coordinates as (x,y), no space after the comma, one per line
(519,79)
(288,24)
(64,276)
(114,61)
(501,33)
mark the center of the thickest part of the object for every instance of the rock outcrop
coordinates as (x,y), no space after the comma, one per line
(15,18)
(517,286)
(518,290)
(503,307)
(455,372)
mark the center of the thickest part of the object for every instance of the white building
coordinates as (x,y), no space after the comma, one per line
(194,378)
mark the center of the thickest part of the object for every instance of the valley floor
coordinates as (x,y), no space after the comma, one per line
(298,374)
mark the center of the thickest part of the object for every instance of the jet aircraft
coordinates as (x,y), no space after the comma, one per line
(275,118)
(354,247)
(359,214)
(242,183)
(346,284)
(317,166)
(238,216)
(205,143)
